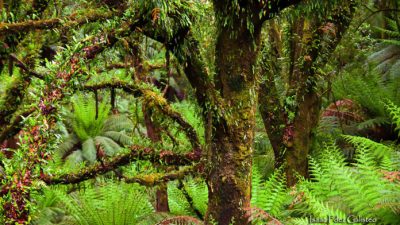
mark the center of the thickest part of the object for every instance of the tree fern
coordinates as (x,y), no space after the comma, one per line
(89,133)
(117,123)
(85,122)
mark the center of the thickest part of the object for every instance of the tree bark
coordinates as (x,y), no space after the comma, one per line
(229,179)
(229,101)
(312,43)
(154,133)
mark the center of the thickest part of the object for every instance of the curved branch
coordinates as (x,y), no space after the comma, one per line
(373,13)
(136,153)
(161,103)
(156,100)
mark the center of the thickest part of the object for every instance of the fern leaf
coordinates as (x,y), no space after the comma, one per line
(89,150)
(109,146)
(394,111)
(119,137)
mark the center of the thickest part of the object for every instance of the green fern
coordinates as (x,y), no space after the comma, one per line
(85,123)
(89,132)
(392,31)
(271,195)
(370,151)
(179,204)
(394,112)
(340,190)
(114,203)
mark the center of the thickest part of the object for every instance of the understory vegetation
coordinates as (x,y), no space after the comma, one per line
(199,112)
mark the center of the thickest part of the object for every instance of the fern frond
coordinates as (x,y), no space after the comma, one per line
(177,201)
(89,150)
(119,137)
(394,112)
(118,123)
(320,209)
(110,147)
(374,122)
(358,190)
(68,146)
(74,159)
(114,203)
(271,195)
(377,150)
(198,191)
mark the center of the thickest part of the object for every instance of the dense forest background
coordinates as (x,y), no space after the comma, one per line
(199,112)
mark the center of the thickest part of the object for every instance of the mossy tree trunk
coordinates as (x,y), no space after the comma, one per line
(228,101)
(230,156)
(290,120)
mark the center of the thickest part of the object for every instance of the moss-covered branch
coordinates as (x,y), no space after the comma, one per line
(161,103)
(186,49)
(148,67)
(25,68)
(136,153)
(128,88)
(15,126)
(151,180)
(157,100)
(46,24)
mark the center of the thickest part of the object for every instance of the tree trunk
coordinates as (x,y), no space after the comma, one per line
(296,153)
(162,199)
(154,133)
(229,180)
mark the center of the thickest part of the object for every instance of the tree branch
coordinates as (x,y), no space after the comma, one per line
(15,126)
(272,7)
(46,24)
(25,68)
(151,180)
(136,153)
(155,99)
(186,49)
